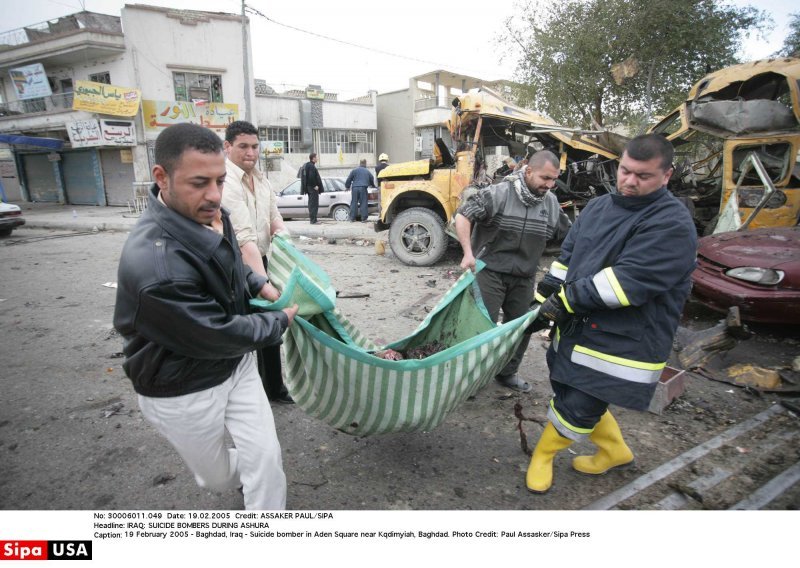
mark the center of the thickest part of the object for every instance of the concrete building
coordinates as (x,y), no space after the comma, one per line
(83,98)
(410,120)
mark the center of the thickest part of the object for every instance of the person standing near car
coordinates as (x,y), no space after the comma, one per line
(249,199)
(357,182)
(383,163)
(615,293)
(188,333)
(311,185)
(512,221)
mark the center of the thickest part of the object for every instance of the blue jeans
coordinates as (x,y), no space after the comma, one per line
(358,197)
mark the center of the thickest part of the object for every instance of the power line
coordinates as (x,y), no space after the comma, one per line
(343,42)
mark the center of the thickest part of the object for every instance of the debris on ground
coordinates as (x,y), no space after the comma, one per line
(696,348)
(750,375)
(163,479)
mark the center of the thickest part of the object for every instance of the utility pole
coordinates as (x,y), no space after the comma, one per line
(246,66)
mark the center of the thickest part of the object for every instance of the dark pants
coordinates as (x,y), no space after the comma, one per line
(358,197)
(576,407)
(269,366)
(313,204)
(514,295)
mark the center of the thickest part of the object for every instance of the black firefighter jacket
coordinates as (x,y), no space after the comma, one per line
(182,304)
(627,265)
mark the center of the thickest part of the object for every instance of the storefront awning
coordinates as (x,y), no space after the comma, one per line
(17,140)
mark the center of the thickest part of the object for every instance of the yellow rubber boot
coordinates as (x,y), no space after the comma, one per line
(612,451)
(540,471)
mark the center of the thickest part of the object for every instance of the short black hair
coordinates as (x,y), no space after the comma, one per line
(238,127)
(542,157)
(311,156)
(648,146)
(176,139)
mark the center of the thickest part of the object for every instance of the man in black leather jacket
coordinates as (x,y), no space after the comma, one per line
(182,310)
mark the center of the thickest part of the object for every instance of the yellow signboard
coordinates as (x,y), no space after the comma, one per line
(161,114)
(105,99)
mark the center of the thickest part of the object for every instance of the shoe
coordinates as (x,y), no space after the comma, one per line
(612,451)
(513,382)
(540,471)
(284,398)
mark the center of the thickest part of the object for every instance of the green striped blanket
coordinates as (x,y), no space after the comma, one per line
(332,371)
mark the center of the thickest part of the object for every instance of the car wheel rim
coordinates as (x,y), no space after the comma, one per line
(416,238)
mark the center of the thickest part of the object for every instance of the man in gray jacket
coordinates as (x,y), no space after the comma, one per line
(512,220)
(182,310)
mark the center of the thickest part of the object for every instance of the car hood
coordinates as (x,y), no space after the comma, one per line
(765,248)
(8,207)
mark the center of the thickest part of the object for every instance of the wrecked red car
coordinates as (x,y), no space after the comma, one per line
(757,270)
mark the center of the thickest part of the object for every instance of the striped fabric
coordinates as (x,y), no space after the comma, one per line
(333,375)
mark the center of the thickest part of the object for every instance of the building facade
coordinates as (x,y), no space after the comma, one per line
(83,98)
(410,120)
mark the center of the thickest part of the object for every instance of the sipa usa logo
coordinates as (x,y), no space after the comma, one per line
(45,549)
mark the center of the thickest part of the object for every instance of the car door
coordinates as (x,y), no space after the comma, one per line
(334,194)
(291,204)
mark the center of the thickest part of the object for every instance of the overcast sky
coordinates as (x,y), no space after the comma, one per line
(399,39)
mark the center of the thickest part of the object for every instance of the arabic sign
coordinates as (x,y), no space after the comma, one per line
(86,133)
(315,93)
(30,82)
(161,114)
(105,99)
(272,147)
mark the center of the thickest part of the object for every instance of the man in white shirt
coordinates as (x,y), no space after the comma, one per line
(254,213)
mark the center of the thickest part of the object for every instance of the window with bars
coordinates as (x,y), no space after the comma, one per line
(278,133)
(102,77)
(350,141)
(197,87)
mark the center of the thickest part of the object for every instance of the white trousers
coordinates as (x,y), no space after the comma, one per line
(195,425)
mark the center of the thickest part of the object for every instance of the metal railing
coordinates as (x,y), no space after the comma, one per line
(430,102)
(53,103)
(81,21)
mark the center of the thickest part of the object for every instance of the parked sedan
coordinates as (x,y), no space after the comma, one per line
(757,270)
(334,202)
(10,217)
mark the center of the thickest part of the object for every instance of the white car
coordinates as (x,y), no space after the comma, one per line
(334,202)
(10,217)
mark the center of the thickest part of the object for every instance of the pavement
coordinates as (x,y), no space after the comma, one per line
(81,218)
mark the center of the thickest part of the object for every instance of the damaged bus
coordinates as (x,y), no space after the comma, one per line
(736,140)
(419,198)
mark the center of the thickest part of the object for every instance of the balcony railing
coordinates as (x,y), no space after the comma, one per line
(82,21)
(53,103)
(430,102)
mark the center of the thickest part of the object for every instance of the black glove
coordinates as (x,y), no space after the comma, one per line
(553,309)
(539,323)
(548,286)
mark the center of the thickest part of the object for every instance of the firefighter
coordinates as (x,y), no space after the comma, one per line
(383,161)
(616,294)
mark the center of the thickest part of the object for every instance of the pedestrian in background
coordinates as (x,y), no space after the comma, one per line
(357,182)
(182,311)
(311,185)
(508,224)
(615,293)
(383,163)
(254,213)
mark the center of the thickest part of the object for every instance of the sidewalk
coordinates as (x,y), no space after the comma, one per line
(89,218)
